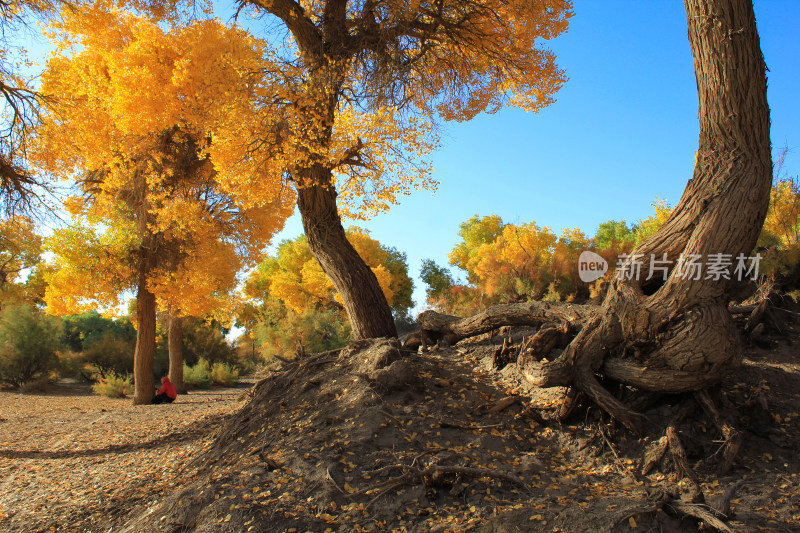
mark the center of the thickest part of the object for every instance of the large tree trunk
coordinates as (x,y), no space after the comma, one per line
(677,335)
(175,344)
(144,355)
(369,312)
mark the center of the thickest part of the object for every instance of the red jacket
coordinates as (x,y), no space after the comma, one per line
(168,387)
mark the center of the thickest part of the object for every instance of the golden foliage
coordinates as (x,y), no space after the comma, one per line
(130,123)
(295,278)
(355,89)
(20,250)
(509,261)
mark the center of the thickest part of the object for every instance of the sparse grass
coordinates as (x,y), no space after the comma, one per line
(113,386)
(552,295)
(224,374)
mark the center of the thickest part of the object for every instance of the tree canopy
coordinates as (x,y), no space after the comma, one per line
(129,127)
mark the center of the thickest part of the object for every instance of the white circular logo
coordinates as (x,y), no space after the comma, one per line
(591,266)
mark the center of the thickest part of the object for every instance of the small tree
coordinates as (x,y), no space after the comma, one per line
(20,250)
(293,299)
(28,343)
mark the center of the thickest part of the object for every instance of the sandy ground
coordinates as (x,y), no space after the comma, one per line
(68,457)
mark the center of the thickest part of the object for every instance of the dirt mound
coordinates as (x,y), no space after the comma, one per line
(374,438)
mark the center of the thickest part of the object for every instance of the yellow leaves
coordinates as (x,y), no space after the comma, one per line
(783,215)
(384,280)
(511,260)
(135,103)
(295,277)
(88,269)
(379,156)
(648,227)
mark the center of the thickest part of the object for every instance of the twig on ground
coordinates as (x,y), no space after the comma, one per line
(703,512)
(446,424)
(725,502)
(504,403)
(330,478)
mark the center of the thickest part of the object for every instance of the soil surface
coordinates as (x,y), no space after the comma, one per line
(373,438)
(71,460)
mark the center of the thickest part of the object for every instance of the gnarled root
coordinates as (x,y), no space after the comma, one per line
(437,326)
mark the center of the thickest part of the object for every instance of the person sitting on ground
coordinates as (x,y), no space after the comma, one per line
(167,392)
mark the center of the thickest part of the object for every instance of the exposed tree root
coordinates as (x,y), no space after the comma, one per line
(733,437)
(431,474)
(708,515)
(682,468)
(702,512)
(572,400)
(725,501)
(437,326)
(549,336)
(654,454)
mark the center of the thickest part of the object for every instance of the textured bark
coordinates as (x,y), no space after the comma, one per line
(520,314)
(175,344)
(144,355)
(369,312)
(677,335)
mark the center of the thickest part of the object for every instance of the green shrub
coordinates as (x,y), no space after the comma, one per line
(113,386)
(29,340)
(40,384)
(317,330)
(73,365)
(81,331)
(224,374)
(204,339)
(197,376)
(110,355)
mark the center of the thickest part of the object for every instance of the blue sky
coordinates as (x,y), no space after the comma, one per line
(622,132)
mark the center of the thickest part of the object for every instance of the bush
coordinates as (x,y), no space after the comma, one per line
(317,330)
(552,295)
(197,376)
(73,365)
(113,386)
(29,340)
(81,331)
(205,340)
(224,374)
(110,355)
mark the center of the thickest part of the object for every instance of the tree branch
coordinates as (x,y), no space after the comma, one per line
(294,17)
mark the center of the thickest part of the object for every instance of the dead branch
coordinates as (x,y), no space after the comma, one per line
(446,424)
(504,403)
(725,501)
(330,478)
(702,512)
(653,455)
(682,468)
(733,437)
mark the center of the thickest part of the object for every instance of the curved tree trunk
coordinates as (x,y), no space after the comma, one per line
(175,344)
(144,355)
(369,312)
(677,335)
